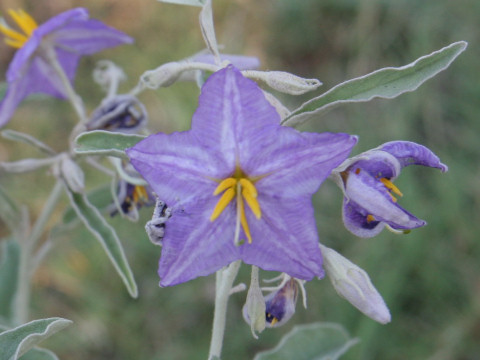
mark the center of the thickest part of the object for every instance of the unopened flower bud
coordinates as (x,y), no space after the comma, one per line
(254,309)
(122,113)
(163,76)
(289,83)
(73,174)
(353,284)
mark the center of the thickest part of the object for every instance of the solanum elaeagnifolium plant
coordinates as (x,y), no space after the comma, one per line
(235,189)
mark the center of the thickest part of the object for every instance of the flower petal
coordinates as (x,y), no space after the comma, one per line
(410,153)
(295,164)
(193,245)
(285,238)
(367,193)
(355,220)
(178,166)
(232,115)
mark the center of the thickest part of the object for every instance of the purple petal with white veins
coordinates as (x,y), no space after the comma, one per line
(410,153)
(368,193)
(285,238)
(355,220)
(193,245)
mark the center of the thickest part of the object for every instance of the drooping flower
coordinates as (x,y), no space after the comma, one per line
(370,201)
(121,113)
(239,185)
(64,38)
(131,197)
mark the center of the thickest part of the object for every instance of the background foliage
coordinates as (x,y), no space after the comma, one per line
(428,278)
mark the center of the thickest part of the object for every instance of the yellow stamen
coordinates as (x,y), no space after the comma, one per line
(252,202)
(248,185)
(25,22)
(243,221)
(224,185)
(370,218)
(140,193)
(226,198)
(274,321)
(389,185)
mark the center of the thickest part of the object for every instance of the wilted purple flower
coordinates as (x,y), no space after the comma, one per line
(121,113)
(239,184)
(370,200)
(131,198)
(66,37)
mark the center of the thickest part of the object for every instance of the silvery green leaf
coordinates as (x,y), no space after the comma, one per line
(27,139)
(73,174)
(105,143)
(185,2)
(9,211)
(39,354)
(317,341)
(26,165)
(384,83)
(284,82)
(9,265)
(16,342)
(100,198)
(106,235)
(208,29)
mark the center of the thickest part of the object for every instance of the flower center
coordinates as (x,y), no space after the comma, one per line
(390,186)
(25,22)
(241,188)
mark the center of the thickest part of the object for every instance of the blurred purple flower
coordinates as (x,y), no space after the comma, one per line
(237,148)
(370,201)
(67,37)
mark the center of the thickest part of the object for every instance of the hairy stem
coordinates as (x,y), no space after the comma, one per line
(224,282)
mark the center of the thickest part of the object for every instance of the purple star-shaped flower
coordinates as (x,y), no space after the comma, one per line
(370,201)
(66,36)
(239,185)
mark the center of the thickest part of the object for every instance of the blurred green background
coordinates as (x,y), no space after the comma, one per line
(429,278)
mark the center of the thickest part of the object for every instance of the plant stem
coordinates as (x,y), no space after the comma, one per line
(27,246)
(224,282)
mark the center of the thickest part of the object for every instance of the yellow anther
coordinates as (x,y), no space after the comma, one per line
(252,202)
(224,185)
(139,193)
(248,185)
(226,198)
(24,22)
(389,185)
(243,220)
(370,218)
(274,321)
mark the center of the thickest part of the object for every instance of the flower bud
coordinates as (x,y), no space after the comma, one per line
(163,76)
(289,83)
(353,284)
(73,174)
(122,113)
(254,309)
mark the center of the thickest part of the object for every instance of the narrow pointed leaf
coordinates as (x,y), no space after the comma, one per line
(185,2)
(16,342)
(106,235)
(39,354)
(317,341)
(100,198)
(27,139)
(9,265)
(384,83)
(9,211)
(105,143)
